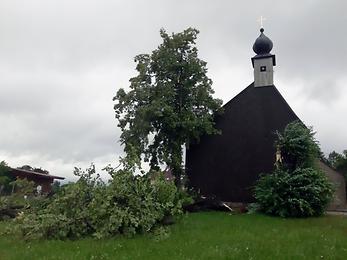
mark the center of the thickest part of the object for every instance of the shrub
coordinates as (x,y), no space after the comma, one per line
(21,200)
(128,204)
(296,188)
(298,146)
(23,187)
(5,179)
(301,193)
(8,209)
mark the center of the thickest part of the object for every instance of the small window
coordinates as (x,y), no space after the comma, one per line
(262,68)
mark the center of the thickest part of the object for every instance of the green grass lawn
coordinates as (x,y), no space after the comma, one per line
(211,235)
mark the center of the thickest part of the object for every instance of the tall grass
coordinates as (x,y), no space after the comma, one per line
(211,235)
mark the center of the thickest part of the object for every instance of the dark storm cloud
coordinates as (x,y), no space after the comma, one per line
(61,62)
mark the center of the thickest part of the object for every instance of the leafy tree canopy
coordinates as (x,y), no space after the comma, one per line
(5,178)
(298,146)
(169,103)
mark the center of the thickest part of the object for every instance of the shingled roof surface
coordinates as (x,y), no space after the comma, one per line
(228,165)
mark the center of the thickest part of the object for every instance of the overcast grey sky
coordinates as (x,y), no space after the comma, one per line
(62,61)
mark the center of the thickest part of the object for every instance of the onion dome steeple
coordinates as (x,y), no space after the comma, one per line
(262,45)
(263,62)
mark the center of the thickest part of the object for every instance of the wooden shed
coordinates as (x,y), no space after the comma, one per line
(42,179)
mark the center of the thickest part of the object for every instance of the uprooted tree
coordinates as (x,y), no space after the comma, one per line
(169,104)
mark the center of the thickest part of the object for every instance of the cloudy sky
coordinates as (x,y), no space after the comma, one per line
(62,61)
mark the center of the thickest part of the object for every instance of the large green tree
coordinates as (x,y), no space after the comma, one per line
(168,105)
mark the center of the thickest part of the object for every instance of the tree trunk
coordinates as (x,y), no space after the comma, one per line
(176,164)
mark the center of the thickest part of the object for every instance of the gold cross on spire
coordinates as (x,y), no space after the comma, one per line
(261,20)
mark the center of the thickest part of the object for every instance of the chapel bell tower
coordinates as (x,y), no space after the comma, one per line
(264,61)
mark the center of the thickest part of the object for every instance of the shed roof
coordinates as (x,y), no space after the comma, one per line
(35,174)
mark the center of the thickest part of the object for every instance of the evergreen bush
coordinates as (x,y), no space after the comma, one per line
(301,193)
(297,188)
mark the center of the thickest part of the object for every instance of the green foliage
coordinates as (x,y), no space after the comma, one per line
(23,187)
(128,205)
(9,207)
(21,200)
(301,193)
(56,187)
(339,161)
(5,178)
(169,103)
(296,188)
(298,146)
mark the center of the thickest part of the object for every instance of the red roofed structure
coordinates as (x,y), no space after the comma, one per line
(45,180)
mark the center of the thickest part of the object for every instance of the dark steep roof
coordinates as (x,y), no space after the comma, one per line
(229,164)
